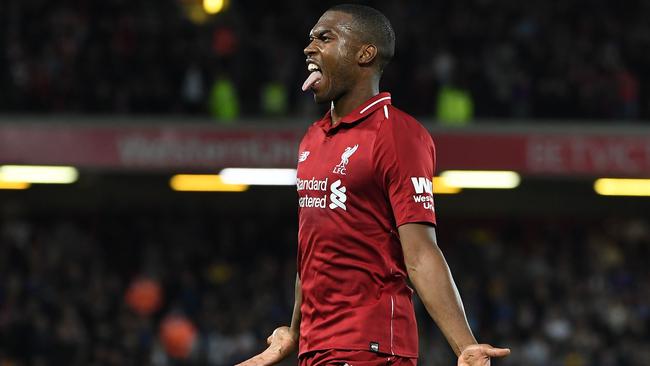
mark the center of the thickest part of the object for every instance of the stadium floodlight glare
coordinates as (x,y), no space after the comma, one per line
(622,187)
(38,174)
(441,187)
(213,6)
(259,176)
(14,185)
(488,179)
(203,183)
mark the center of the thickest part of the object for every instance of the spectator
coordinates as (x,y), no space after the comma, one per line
(556,59)
(556,301)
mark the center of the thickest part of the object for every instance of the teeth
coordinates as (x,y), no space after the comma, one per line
(312,67)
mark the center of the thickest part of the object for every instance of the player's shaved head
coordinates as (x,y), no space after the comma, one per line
(372,27)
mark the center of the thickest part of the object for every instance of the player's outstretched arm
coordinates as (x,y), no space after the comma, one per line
(430,274)
(284,340)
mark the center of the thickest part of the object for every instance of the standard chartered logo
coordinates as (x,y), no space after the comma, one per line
(313,193)
(338,196)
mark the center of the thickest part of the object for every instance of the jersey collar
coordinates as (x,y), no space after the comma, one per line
(360,112)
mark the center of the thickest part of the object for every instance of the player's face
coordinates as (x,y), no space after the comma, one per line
(331,51)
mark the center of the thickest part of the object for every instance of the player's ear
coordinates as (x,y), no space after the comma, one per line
(366,54)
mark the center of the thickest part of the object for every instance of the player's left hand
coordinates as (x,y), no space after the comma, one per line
(480,354)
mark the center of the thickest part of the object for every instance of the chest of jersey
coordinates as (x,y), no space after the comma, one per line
(335,171)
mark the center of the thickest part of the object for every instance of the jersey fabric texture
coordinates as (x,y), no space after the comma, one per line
(357,183)
(353,358)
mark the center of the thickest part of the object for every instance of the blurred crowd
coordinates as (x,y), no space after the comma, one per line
(558,293)
(64,283)
(498,59)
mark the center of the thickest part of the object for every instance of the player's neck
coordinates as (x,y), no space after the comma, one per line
(351,100)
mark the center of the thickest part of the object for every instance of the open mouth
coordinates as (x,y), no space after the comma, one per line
(315,76)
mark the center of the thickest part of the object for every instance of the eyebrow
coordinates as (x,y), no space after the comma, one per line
(319,33)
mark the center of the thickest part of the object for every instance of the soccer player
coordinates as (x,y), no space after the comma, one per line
(366,215)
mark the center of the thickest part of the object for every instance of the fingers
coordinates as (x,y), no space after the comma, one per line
(496,352)
(480,354)
(280,345)
(269,340)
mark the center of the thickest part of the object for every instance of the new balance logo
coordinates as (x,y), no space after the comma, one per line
(303,156)
(422,184)
(338,196)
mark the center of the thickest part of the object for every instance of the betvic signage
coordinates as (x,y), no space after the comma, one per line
(204,147)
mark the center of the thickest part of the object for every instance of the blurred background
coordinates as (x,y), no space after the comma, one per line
(124,241)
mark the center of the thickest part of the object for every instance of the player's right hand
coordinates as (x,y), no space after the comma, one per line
(281,343)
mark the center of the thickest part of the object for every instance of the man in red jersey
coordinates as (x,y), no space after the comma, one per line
(366,215)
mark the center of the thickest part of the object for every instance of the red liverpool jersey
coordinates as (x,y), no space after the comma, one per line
(357,183)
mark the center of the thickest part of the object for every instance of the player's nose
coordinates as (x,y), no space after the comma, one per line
(310,49)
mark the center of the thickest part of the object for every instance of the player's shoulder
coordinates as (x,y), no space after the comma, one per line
(402,123)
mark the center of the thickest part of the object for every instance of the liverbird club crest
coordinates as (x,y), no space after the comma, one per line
(345,159)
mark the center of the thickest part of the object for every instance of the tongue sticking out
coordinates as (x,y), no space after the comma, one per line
(311,79)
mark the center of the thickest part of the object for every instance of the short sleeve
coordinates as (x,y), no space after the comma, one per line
(405,163)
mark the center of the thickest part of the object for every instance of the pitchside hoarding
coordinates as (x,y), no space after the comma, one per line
(206,148)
